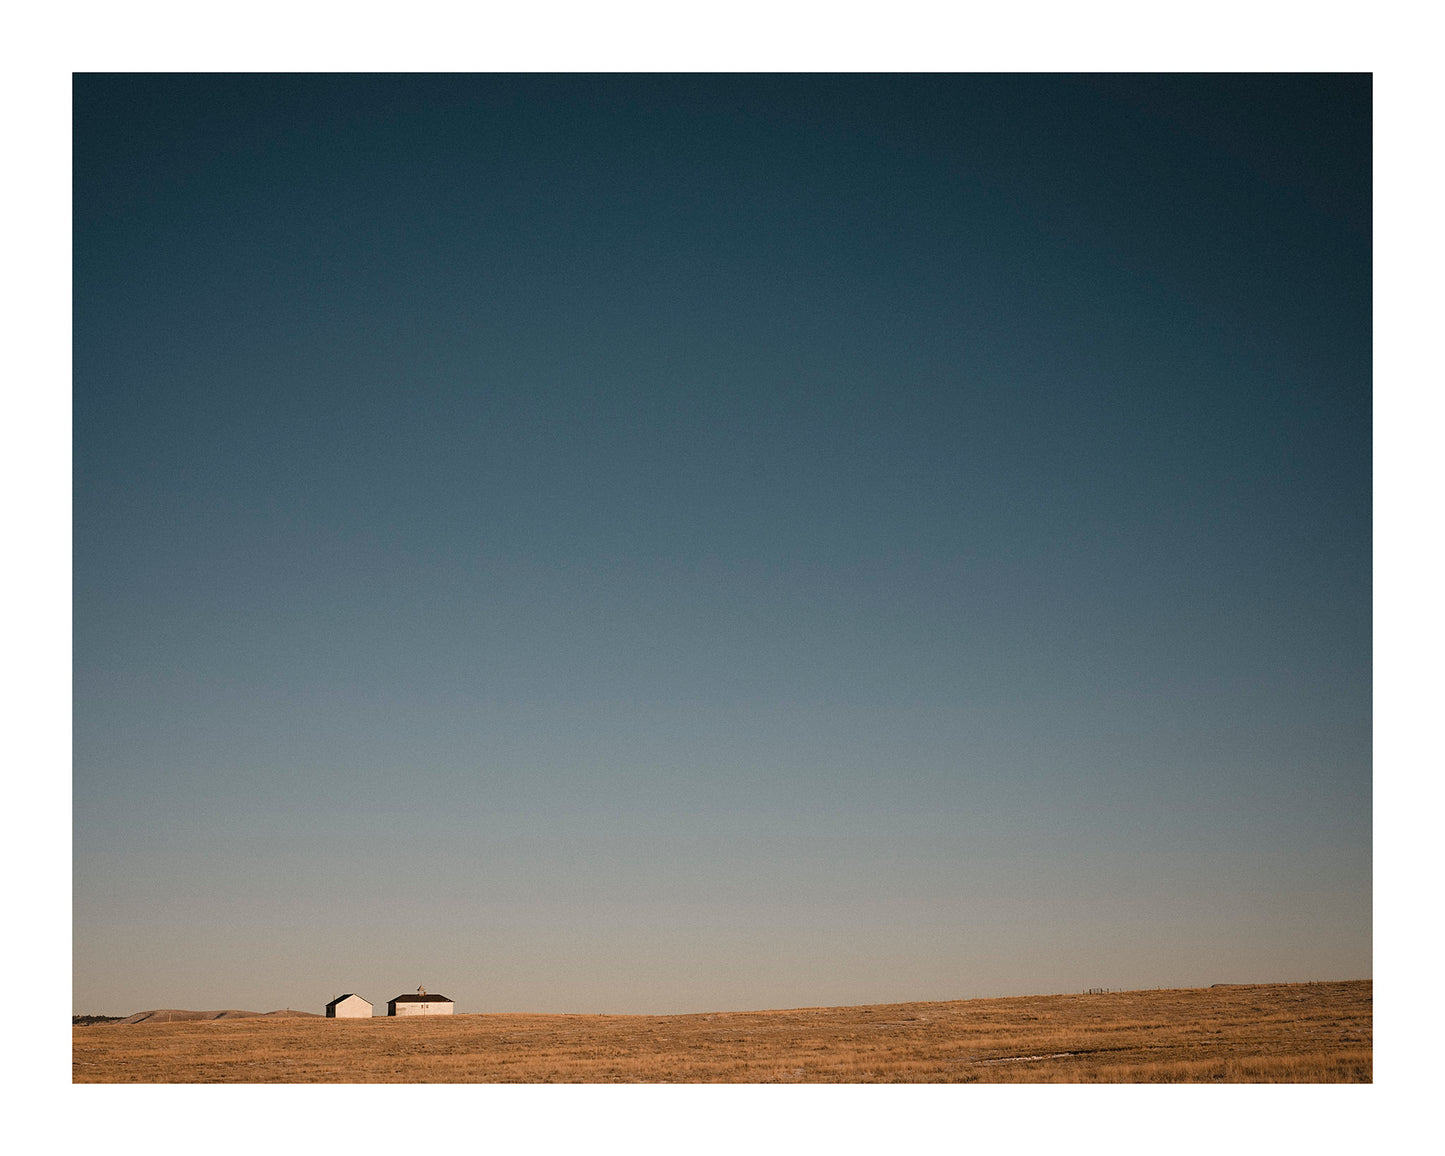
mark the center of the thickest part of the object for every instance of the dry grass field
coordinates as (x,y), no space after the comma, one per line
(1238,1034)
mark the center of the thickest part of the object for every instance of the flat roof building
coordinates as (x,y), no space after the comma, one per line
(420,1004)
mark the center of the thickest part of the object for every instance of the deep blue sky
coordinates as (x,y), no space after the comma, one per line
(679,543)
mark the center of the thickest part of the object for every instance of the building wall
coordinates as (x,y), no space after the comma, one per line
(423,1009)
(353,1008)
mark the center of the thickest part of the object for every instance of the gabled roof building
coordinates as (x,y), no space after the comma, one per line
(348,1006)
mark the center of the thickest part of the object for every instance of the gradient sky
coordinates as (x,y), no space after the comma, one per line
(657,544)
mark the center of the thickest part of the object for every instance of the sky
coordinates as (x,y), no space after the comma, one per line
(679,543)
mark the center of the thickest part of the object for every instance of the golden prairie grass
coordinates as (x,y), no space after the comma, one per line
(1276,1033)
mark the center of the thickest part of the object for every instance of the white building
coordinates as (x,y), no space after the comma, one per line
(420,1004)
(349,1006)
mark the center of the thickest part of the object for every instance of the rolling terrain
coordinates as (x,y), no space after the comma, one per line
(1317,1032)
(170,1015)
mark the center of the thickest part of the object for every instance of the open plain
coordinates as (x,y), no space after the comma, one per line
(1317,1032)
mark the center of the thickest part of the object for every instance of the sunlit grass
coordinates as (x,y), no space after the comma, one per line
(1248,1034)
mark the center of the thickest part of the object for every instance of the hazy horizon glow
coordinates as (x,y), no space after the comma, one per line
(660,544)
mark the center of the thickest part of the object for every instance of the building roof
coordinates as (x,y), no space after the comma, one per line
(428,998)
(348,995)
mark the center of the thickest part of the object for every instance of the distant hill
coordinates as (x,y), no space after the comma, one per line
(179,1015)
